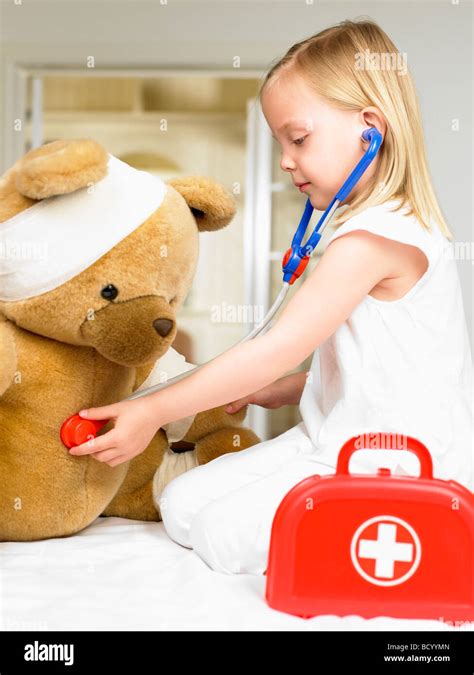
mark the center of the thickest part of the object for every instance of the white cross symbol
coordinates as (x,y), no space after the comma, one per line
(385,550)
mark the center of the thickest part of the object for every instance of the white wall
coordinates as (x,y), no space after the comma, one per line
(437,37)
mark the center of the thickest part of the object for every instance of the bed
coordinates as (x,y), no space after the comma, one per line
(120,574)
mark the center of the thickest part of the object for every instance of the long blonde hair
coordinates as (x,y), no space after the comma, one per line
(330,63)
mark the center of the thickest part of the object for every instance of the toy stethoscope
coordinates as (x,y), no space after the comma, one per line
(76,430)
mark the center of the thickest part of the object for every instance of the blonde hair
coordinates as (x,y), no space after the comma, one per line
(328,62)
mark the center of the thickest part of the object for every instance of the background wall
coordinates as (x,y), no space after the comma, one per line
(437,37)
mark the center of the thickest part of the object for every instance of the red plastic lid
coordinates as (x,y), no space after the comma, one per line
(77,430)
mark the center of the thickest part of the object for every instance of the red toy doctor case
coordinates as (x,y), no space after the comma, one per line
(374,545)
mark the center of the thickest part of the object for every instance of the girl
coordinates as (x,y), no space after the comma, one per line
(382,312)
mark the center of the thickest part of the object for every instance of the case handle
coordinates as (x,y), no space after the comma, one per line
(383,440)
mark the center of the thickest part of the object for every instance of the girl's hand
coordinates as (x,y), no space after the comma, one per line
(135,425)
(284,391)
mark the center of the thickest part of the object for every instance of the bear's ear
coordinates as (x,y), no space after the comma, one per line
(211,204)
(60,167)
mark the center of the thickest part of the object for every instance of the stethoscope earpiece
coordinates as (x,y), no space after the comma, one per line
(367,134)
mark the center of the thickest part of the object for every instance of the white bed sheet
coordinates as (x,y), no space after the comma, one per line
(120,574)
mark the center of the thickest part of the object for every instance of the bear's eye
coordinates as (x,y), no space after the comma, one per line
(197,213)
(109,292)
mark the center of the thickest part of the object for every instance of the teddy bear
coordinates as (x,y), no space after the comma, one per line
(96,259)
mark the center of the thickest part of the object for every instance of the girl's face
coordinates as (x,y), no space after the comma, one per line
(320,144)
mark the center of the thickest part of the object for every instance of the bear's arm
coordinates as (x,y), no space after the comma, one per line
(8,358)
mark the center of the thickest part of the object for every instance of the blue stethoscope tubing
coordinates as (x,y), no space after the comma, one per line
(298,255)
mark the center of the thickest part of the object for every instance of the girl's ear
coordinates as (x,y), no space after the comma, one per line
(212,205)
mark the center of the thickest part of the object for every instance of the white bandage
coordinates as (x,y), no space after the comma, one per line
(59,237)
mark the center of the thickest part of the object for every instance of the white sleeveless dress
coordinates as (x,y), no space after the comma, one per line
(402,367)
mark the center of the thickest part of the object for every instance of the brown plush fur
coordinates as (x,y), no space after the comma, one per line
(69,349)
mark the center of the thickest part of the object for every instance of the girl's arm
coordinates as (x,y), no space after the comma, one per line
(284,391)
(349,268)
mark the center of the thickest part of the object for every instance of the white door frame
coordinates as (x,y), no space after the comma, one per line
(257,232)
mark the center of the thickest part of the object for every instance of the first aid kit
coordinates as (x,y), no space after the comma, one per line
(374,544)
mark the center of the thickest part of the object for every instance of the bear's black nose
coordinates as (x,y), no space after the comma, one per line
(162,326)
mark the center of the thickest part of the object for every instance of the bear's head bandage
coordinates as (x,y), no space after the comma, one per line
(59,237)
